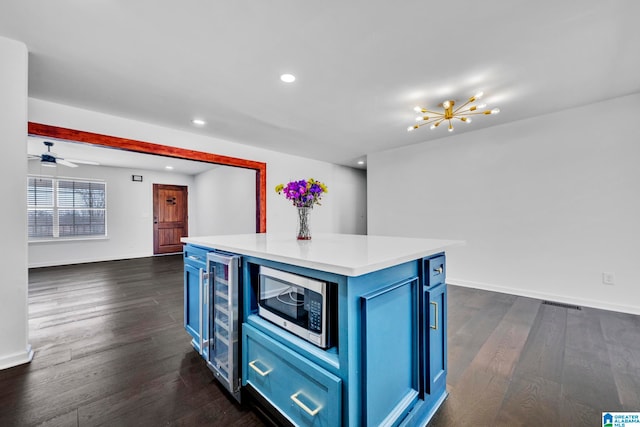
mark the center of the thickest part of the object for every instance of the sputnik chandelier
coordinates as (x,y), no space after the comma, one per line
(449,114)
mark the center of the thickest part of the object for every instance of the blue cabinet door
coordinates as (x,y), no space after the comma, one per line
(390,343)
(436,333)
(193,304)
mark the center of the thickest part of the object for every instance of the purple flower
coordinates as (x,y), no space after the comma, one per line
(303,192)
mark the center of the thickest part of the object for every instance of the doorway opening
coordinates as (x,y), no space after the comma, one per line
(260,168)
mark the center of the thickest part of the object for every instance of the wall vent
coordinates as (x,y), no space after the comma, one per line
(559,304)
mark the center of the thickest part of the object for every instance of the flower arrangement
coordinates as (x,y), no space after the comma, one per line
(304,193)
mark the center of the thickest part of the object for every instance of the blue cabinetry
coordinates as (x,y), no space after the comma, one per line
(388,367)
(387,363)
(195,265)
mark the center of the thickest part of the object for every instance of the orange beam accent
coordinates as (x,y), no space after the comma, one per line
(57,132)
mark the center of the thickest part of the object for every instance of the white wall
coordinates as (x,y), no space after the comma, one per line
(281,167)
(129,216)
(352,218)
(14,347)
(546,205)
(225,199)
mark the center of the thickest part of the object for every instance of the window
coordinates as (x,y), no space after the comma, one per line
(65,208)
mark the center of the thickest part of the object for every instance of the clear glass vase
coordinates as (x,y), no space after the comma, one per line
(304,232)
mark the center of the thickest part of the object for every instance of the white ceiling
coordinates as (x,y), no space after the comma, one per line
(361,66)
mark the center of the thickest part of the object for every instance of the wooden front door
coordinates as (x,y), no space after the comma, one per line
(169,218)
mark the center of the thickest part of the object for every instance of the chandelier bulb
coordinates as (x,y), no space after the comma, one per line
(478,95)
(482,105)
(410,128)
(495,111)
(446,104)
(433,126)
(468,120)
(450,128)
(417,109)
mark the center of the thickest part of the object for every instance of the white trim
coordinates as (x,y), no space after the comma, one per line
(546,296)
(68,239)
(16,359)
(88,260)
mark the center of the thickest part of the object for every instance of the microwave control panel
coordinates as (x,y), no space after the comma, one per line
(315,312)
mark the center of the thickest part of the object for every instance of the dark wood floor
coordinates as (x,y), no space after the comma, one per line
(111,350)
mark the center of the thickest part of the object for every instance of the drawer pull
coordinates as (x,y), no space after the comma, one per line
(260,372)
(435,305)
(306,409)
(195,258)
(439,270)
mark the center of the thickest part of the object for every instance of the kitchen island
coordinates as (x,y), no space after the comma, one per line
(384,362)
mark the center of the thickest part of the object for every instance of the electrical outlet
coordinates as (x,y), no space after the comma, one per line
(608,278)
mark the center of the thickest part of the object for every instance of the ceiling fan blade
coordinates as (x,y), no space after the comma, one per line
(83,162)
(66,163)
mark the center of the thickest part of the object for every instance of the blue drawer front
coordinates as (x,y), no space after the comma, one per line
(435,270)
(305,393)
(195,256)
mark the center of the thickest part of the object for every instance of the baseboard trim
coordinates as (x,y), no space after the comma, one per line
(16,359)
(546,296)
(85,260)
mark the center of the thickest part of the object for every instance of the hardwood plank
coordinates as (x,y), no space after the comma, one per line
(483,312)
(587,377)
(474,402)
(531,401)
(70,419)
(503,348)
(543,353)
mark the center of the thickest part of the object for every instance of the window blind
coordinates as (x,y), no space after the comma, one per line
(65,208)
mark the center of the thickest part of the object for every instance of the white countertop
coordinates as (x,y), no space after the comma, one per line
(346,254)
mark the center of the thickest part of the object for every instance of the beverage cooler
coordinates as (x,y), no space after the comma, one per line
(220,324)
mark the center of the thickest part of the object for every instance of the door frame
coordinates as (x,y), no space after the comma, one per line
(156,207)
(49,131)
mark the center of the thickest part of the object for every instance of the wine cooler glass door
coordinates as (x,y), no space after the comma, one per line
(223,319)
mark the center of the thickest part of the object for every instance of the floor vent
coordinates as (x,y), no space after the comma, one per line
(559,304)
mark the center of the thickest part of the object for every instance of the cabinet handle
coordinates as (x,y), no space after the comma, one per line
(201,293)
(260,372)
(439,270)
(306,409)
(435,304)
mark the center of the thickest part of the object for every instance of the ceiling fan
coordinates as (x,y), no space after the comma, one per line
(51,159)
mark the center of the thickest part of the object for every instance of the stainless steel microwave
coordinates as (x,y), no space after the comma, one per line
(299,304)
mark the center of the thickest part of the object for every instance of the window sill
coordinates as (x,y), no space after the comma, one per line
(68,239)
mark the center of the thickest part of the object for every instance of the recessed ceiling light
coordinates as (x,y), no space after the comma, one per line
(288,78)
(198,122)
(361,162)
(168,167)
